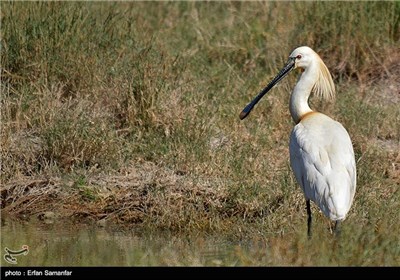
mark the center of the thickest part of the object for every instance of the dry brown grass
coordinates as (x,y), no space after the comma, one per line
(131,196)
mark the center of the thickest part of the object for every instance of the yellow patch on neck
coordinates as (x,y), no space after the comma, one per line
(306,115)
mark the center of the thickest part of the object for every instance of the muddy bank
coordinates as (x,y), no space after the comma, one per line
(140,193)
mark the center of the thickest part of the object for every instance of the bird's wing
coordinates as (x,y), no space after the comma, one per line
(323,162)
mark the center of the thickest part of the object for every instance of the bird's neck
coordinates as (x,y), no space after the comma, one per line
(299,98)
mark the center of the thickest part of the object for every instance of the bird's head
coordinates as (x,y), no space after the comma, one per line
(303,57)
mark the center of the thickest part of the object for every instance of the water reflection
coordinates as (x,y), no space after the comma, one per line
(68,245)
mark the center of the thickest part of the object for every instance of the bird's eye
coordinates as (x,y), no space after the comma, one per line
(298,56)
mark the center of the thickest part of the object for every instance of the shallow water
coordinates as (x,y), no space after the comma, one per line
(75,245)
(66,245)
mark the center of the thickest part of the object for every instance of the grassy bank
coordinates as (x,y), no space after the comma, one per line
(128,112)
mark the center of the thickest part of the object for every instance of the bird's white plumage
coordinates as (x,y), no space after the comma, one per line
(322,159)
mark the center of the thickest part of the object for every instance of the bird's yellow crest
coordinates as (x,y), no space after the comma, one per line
(324,87)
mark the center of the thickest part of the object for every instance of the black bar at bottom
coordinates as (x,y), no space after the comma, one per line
(121,272)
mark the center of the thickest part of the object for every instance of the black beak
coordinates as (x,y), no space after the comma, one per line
(285,70)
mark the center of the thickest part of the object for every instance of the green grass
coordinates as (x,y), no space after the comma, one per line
(147,95)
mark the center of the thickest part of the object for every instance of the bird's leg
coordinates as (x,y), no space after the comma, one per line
(336,228)
(309,220)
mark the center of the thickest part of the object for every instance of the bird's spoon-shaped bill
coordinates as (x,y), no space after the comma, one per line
(285,70)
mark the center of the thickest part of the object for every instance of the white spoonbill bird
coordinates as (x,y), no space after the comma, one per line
(321,152)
